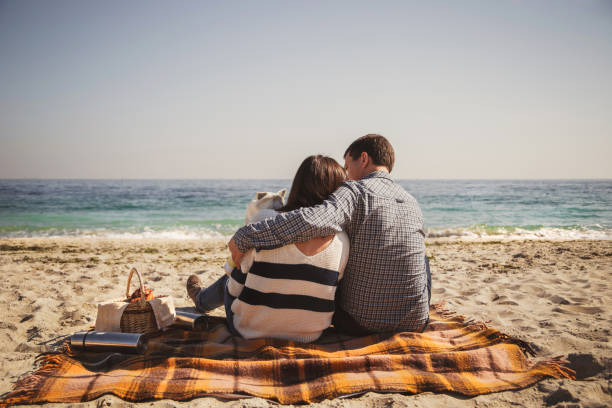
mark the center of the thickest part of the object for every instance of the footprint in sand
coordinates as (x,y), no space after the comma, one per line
(559,300)
(498,298)
(438,291)
(578,309)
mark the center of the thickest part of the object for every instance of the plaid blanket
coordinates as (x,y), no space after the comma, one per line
(451,355)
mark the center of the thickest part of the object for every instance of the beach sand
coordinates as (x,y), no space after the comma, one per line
(557,296)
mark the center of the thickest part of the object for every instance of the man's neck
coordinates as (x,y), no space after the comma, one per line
(380,168)
(371,169)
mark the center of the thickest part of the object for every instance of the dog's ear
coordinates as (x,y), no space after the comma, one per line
(260,195)
(282,192)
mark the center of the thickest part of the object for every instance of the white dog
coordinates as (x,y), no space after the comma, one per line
(263,206)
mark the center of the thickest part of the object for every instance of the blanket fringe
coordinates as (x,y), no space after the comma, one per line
(26,388)
(523,345)
(473,324)
(445,313)
(555,367)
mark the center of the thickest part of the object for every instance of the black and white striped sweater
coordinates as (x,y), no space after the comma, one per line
(286,294)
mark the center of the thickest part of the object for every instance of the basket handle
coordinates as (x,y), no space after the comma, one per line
(142,291)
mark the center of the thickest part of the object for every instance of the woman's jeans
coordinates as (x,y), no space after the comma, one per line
(214,296)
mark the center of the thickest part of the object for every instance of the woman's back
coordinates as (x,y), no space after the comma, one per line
(289,292)
(315,245)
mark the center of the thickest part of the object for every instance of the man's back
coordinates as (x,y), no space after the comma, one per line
(384,288)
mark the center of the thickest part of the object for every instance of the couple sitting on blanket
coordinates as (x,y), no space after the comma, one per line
(353,229)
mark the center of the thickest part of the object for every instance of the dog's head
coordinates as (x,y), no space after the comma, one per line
(265,201)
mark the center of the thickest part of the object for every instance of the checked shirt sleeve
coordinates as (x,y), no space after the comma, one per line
(302,224)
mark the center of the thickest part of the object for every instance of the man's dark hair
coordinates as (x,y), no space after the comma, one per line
(376,146)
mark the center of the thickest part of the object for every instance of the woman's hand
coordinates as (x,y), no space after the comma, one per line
(236,254)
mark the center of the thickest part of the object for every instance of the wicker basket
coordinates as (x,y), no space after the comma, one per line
(138,317)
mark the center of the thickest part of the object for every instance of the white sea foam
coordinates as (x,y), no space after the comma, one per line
(177,234)
(509,234)
(474,233)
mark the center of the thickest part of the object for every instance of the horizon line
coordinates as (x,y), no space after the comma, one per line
(271,178)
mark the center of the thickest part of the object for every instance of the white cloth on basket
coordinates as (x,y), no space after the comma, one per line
(109,313)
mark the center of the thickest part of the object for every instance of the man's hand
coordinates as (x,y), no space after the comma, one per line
(236,254)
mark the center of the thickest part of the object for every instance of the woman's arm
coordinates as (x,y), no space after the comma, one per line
(237,275)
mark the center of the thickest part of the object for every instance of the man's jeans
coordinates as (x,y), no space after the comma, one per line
(344,323)
(214,296)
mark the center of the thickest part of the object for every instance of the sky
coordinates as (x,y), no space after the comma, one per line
(248,89)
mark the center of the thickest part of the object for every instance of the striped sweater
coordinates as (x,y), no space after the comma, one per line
(286,294)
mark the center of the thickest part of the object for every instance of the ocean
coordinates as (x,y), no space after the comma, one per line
(212,209)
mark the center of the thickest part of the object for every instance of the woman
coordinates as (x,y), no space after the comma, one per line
(287,292)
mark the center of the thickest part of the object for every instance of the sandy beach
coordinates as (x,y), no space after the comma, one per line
(554,295)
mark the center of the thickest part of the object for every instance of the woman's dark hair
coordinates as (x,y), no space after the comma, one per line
(317,177)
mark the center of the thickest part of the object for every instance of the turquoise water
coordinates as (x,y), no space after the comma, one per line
(201,209)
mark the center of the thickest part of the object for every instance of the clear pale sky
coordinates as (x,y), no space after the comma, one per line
(232,89)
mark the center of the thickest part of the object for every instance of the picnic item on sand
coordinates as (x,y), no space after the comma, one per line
(136,313)
(453,354)
(191,321)
(135,297)
(107,341)
(138,316)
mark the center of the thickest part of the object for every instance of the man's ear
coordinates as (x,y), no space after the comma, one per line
(364,159)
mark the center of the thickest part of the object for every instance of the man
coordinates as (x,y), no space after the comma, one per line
(386,284)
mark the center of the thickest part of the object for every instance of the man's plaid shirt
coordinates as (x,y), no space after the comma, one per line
(384,286)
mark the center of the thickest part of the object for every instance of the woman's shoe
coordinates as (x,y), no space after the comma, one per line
(194,285)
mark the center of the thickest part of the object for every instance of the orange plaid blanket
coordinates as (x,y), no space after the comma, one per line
(451,355)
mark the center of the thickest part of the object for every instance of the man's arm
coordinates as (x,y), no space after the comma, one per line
(300,225)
